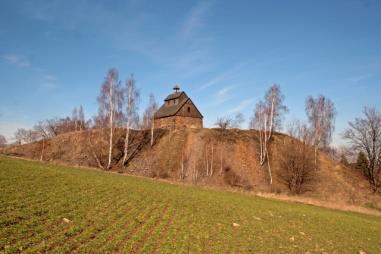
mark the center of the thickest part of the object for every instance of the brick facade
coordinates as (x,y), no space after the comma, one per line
(178,122)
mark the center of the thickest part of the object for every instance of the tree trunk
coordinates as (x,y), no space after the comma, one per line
(316,151)
(221,163)
(182,166)
(126,143)
(111,127)
(207,161)
(42,150)
(269,167)
(211,162)
(194,172)
(271,119)
(97,160)
(152,128)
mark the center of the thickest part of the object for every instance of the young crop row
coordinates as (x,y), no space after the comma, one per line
(55,209)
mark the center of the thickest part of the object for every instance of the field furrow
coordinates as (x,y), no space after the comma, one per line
(109,213)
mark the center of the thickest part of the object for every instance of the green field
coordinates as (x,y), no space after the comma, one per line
(113,213)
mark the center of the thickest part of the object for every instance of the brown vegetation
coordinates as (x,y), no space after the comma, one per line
(296,165)
(200,157)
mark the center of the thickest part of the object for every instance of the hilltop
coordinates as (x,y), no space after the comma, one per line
(186,156)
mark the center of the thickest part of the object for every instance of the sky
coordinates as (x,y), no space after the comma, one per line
(54,55)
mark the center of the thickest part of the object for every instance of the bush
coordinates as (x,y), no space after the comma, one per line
(159,172)
(296,165)
(232,179)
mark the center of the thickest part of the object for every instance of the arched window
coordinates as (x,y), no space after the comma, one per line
(188,109)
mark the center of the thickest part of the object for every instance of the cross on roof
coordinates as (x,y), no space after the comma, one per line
(176,88)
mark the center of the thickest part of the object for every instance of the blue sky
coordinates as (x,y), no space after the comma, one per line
(54,54)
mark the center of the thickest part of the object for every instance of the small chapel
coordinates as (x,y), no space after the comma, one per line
(178,111)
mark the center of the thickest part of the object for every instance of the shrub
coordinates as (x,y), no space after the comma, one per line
(296,165)
(232,179)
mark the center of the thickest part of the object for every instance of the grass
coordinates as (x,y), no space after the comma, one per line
(112,213)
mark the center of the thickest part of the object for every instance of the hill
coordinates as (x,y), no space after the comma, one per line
(212,157)
(57,209)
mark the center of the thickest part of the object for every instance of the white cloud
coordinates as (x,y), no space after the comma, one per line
(18,60)
(195,19)
(221,78)
(50,78)
(49,82)
(241,106)
(223,94)
(49,85)
(361,78)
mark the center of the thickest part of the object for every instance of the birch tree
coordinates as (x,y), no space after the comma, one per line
(230,122)
(321,115)
(267,118)
(110,104)
(364,135)
(148,117)
(74,118)
(25,136)
(81,119)
(3,141)
(43,131)
(131,98)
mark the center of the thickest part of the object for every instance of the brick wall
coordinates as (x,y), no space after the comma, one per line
(178,122)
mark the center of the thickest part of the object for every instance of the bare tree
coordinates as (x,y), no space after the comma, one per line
(296,160)
(223,122)
(300,131)
(238,120)
(321,114)
(50,127)
(3,141)
(267,118)
(110,104)
(296,163)
(148,116)
(131,99)
(43,130)
(275,108)
(20,135)
(229,122)
(74,118)
(25,136)
(259,122)
(364,135)
(81,119)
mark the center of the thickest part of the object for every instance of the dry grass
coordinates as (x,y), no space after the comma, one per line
(232,148)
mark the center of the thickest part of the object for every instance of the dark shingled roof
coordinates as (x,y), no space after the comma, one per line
(165,110)
(174,96)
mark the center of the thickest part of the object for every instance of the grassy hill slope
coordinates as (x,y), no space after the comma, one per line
(188,156)
(46,208)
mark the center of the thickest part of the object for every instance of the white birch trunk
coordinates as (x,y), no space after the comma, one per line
(221,163)
(182,166)
(126,141)
(111,126)
(152,128)
(126,144)
(207,161)
(271,118)
(42,150)
(211,162)
(269,167)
